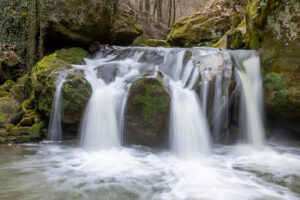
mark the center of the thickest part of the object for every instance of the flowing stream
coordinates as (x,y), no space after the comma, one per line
(215,95)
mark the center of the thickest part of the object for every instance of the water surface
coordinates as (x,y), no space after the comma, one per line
(61,171)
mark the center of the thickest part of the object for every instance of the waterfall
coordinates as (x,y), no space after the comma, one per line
(248,72)
(189,133)
(201,87)
(188,127)
(55,130)
(103,119)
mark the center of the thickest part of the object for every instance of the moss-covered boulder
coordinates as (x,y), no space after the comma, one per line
(273,28)
(75,95)
(234,38)
(207,27)
(76,90)
(46,72)
(147,114)
(144,41)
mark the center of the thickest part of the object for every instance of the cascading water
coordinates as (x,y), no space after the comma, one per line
(189,131)
(199,80)
(55,127)
(103,119)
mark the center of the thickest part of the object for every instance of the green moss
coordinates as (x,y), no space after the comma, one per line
(36,132)
(45,74)
(60,29)
(72,55)
(9,107)
(144,41)
(151,98)
(27,105)
(274,81)
(125,29)
(235,39)
(75,92)
(3,92)
(8,85)
(207,27)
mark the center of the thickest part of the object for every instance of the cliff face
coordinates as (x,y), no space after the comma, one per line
(31,28)
(272,27)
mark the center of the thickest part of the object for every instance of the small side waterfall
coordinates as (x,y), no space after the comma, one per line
(55,129)
(248,72)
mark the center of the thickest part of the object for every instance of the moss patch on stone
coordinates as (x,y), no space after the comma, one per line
(144,41)
(151,98)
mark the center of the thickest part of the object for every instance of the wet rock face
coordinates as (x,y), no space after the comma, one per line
(273,26)
(147,114)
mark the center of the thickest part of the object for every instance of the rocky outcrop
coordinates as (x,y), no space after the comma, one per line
(25,106)
(271,27)
(147,114)
(34,28)
(207,27)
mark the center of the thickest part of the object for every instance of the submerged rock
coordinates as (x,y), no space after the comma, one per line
(147,114)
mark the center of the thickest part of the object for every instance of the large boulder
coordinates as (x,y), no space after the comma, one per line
(75,92)
(207,26)
(147,114)
(273,28)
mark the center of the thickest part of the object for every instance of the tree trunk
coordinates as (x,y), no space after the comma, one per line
(159,10)
(147,6)
(141,3)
